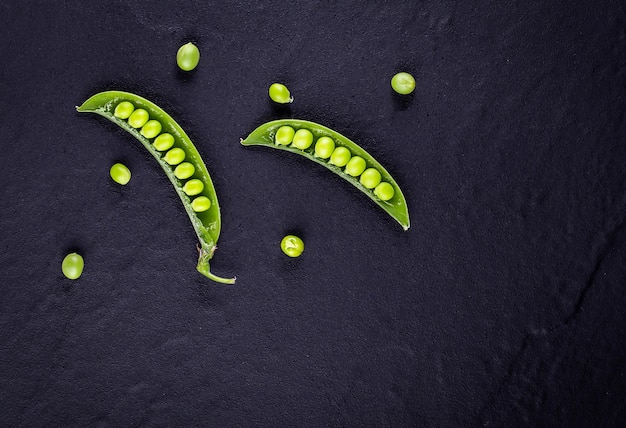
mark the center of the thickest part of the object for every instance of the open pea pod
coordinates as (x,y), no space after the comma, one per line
(339,154)
(175,152)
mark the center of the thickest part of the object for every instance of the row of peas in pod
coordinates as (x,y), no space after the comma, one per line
(326,149)
(164,142)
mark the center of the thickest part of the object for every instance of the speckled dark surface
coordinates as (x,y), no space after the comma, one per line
(503,305)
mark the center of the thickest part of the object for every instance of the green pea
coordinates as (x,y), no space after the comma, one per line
(201,204)
(193,187)
(73,265)
(340,156)
(370,178)
(384,191)
(324,147)
(151,129)
(303,139)
(188,57)
(163,142)
(174,156)
(123,110)
(120,173)
(280,94)
(284,135)
(403,83)
(292,245)
(355,166)
(138,118)
(184,170)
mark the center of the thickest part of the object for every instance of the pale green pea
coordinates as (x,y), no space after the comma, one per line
(163,142)
(370,178)
(324,147)
(120,173)
(284,135)
(184,170)
(403,83)
(201,204)
(174,156)
(280,94)
(72,266)
(303,139)
(138,118)
(151,129)
(193,187)
(124,110)
(188,57)
(340,156)
(292,245)
(384,191)
(355,166)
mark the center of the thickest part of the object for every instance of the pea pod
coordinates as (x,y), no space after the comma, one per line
(170,146)
(339,154)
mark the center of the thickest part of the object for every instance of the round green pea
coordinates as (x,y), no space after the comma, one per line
(124,110)
(188,57)
(193,187)
(403,83)
(151,129)
(73,265)
(138,118)
(184,170)
(324,147)
(284,135)
(120,173)
(174,156)
(355,166)
(201,204)
(163,142)
(384,191)
(280,94)
(292,245)
(340,156)
(303,139)
(370,178)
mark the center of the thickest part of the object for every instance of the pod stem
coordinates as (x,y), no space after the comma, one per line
(204,268)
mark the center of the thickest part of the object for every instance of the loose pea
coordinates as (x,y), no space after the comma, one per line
(200,204)
(303,139)
(188,56)
(184,170)
(123,110)
(193,187)
(163,142)
(120,173)
(284,135)
(174,156)
(280,94)
(370,178)
(73,265)
(138,118)
(151,129)
(355,166)
(403,83)
(384,191)
(340,156)
(324,147)
(292,245)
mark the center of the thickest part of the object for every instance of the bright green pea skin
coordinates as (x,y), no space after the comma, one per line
(340,157)
(72,266)
(124,110)
(285,135)
(188,57)
(206,222)
(302,139)
(370,178)
(292,246)
(355,166)
(120,173)
(174,156)
(395,206)
(151,129)
(280,94)
(138,118)
(324,147)
(403,83)
(193,187)
(384,191)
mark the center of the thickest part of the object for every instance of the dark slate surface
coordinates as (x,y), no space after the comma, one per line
(503,305)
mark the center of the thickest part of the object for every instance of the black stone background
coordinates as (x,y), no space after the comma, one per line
(503,305)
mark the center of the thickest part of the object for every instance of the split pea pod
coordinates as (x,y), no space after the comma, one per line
(174,151)
(339,154)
